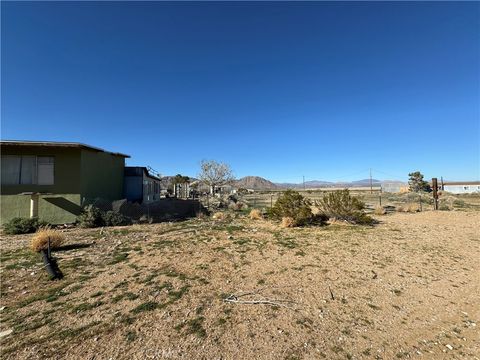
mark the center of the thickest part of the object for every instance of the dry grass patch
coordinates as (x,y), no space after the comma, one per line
(219,216)
(409,208)
(255,214)
(43,235)
(288,222)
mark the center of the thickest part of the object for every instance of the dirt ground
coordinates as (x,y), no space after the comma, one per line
(406,288)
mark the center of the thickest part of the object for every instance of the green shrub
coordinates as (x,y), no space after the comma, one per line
(341,205)
(113,218)
(91,217)
(20,225)
(293,205)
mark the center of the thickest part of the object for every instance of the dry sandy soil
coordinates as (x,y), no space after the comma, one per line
(407,288)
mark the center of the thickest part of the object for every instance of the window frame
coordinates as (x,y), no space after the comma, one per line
(35,171)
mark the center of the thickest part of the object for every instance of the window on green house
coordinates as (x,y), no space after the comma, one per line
(27,170)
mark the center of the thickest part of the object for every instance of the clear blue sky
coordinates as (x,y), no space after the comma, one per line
(279,90)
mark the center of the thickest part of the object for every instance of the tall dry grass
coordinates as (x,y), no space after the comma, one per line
(40,239)
(255,214)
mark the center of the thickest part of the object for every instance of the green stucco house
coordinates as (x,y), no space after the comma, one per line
(52,180)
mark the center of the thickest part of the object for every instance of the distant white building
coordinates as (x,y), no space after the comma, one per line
(462,187)
(394,187)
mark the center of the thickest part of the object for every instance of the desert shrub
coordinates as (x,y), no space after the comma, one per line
(340,205)
(255,214)
(219,216)
(293,205)
(379,211)
(409,208)
(20,225)
(288,221)
(443,207)
(40,239)
(458,203)
(237,206)
(91,217)
(112,218)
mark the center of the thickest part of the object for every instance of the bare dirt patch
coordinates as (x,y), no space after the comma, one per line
(408,287)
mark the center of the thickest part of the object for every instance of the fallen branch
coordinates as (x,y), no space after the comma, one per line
(331,293)
(235,299)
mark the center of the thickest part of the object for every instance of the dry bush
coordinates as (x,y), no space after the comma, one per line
(40,239)
(291,204)
(237,206)
(380,211)
(288,222)
(255,214)
(220,216)
(341,205)
(408,208)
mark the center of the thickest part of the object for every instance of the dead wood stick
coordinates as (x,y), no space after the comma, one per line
(331,293)
(273,302)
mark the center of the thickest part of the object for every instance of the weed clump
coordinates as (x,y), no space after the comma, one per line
(113,218)
(93,217)
(20,225)
(288,221)
(255,214)
(43,235)
(220,216)
(294,206)
(380,210)
(340,205)
(409,208)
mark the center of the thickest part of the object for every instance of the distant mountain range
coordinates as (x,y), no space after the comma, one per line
(255,182)
(259,183)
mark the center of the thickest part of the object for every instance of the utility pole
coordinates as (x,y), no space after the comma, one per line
(441,182)
(371,186)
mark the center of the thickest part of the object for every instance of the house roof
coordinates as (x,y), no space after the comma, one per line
(58,144)
(461,183)
(133,171)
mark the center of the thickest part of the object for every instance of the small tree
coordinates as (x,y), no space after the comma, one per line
(417,183)
(215,174)
(180,179)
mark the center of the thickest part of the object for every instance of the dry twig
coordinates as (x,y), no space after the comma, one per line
(235,299)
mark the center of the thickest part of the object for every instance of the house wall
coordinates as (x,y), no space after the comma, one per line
(151,189)
(102,175)
(78,174)
(62,203)
(133,188)
(461,189)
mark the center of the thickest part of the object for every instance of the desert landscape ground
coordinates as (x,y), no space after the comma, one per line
(407,287)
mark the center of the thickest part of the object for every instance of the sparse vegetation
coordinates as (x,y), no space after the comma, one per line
(20,225)
(93,217)
(163,292)
(113,218)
